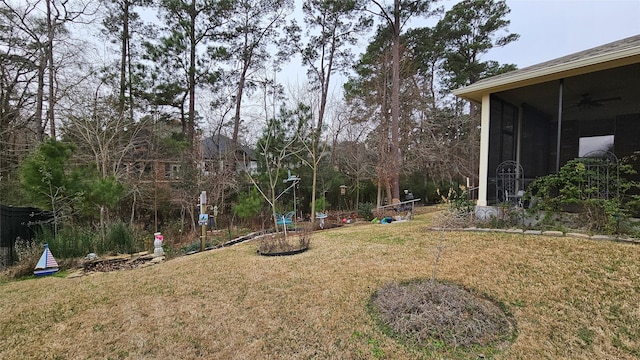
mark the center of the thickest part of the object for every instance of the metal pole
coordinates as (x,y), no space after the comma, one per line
(203,238)
(560,96)
(203,209)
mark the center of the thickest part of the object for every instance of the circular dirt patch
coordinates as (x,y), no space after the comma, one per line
(279,245)
(442,317)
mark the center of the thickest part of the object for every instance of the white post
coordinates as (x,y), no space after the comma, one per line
(484,150)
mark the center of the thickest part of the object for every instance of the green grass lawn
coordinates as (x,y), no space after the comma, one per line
(571,299)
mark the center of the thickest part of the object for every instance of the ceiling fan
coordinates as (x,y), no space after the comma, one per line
(588,102)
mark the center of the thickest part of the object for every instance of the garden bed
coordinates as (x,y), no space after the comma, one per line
(280,244)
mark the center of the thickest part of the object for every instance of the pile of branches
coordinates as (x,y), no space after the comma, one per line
(429,314)
(114,264)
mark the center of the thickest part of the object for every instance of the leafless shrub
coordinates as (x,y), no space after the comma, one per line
(432,314)
(452,218)
(27,253)
(26,250)
(437,253)
(279,243)
(448,219)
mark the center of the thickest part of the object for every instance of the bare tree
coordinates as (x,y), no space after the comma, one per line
(18,76)
(396,17)
(276,150)
(58,14)
(332,29)
(22,21)
(353,157)
(252,28)
(103,134)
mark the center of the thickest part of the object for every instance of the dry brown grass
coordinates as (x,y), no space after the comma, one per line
(571,299)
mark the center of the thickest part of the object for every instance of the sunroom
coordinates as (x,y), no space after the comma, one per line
(534,120)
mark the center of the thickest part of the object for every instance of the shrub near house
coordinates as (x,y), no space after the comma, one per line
(601,198)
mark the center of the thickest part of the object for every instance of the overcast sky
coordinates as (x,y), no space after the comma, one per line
(548,29)
(553,28)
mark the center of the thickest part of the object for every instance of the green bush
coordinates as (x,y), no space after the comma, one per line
(69,242)
(74,242)
(578,187)
(365,210)
(121,239)
(322,204)
(249,205)
(194,246)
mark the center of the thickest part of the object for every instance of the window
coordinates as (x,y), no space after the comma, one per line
(595,143)
(175,171)
(171,171)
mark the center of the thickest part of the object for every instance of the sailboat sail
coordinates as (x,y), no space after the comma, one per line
(47,264)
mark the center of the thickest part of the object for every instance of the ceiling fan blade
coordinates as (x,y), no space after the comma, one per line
(606,99)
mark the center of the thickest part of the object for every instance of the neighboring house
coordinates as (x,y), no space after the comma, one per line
(547,114)
(214,154)
(149,163)
(165,168)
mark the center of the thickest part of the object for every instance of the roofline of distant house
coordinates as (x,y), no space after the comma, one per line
(571,65)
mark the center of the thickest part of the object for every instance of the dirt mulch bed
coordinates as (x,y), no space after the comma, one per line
(120,262)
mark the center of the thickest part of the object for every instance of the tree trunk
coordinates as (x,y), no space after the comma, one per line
(192,74)
(236,117)
(40,124)
(247,54)
(273,209)
(103,227)
(396,159)
(313,191)
(123,57)
(133,209)
(49,49)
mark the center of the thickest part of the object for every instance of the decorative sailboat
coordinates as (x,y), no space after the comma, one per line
(47,265)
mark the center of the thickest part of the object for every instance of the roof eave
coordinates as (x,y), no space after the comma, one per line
(474,92)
